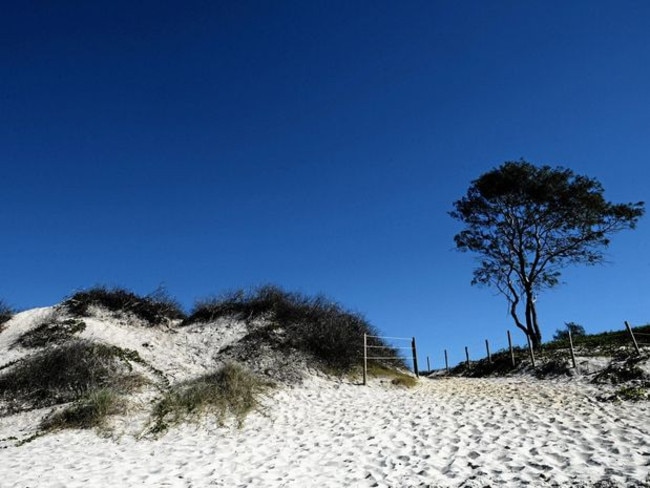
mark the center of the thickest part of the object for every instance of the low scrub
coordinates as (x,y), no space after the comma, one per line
(230,391)
(6,313)
(153,309)
(63,374)
(621,372)
(317,326)
(91,411)
(500,364)
(613,343)
(51,332)
(634,393)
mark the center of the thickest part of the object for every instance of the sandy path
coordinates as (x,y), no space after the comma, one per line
(450,432)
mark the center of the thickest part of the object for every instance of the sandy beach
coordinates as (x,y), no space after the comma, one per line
(328,432)
(448,432)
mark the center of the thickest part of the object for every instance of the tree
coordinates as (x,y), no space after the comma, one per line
(576,330)
(527,223)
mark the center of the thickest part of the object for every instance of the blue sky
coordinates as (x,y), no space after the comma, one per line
(209,146)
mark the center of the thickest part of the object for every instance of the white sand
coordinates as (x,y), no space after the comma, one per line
(325,433)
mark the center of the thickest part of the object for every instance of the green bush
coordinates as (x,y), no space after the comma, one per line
(317,326)
(63,374)
(231,390)
(89,412)
(155,309)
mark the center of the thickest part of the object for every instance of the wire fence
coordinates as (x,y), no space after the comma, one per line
(632,341)
(379,348)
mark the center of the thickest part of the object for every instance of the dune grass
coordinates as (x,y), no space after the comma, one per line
(91,411)
(230,391)
(396,375)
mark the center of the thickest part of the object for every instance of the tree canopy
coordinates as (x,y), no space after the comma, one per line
(527,223)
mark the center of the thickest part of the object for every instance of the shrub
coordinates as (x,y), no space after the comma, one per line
(89,412)
(51,332)
(63,374)
(154,309)
(634,393)
(317,326)
(6,313)
(230,390)
(563,334)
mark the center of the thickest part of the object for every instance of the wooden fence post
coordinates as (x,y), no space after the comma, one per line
(467,355)
(415,359)
(573,354)
(512,351)
(365,359)
(487,347)
(446,361)
(636,344)
(530,350)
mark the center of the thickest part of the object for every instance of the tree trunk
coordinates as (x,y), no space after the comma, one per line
(532,327)
(513,311)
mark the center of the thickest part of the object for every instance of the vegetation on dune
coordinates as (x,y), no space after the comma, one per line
(6,313)
(52,331)
(396,376)
(612,343)
(91,411)
(232,390)
(553,358)
(154,309)
(316,326)
(86,382)
(575,330)
(64,374)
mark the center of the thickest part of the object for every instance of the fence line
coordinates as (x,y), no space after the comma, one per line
(573,343)
(366,357)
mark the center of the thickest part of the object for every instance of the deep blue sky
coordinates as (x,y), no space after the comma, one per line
(208,146)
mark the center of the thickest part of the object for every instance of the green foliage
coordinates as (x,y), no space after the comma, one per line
(154,309)
(64,374)
(575,329)
(527,223)
(633,393)
(232,390)
(317,326)
(89,412)
(50,333)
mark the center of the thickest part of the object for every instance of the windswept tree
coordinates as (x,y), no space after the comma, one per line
(526,223)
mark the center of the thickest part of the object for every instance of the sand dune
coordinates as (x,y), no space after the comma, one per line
(446,432)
